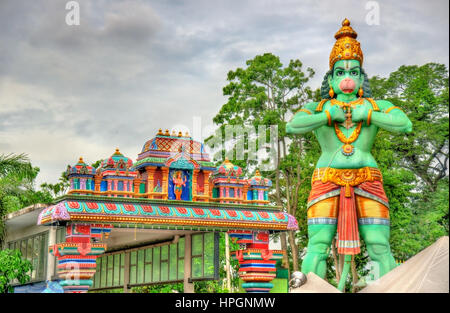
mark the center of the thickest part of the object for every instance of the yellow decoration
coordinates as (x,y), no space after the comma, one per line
(346,46)
(331,92)
(347,147)
(360,92)
(347,177)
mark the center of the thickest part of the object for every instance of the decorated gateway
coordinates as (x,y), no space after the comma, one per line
(172,192)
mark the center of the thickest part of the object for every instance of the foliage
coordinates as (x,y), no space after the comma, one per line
(164,288)
(12,267)
(267,93)
(58,189)
(17,177)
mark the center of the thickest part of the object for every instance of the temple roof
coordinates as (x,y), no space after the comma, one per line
(116,161)
(163,213)
(80,168)
(258,180)
(228,169)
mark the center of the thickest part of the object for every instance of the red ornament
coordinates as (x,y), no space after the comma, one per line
(164,209)
(129,207)
(199,211)
(74,205)
(111,206)
(92,205)
(147,208)
(247,213)
(215,212)
(232,213)
(182,210)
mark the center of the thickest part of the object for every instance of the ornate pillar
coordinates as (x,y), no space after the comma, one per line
(257,262)
(165,182)
(97,182)
(136,184)
(206,186)
(77,255)
(150,179)
(244,193)
(194,184)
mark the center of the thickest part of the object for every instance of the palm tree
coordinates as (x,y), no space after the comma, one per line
(16,177)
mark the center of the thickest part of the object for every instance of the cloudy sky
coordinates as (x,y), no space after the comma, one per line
(132,67)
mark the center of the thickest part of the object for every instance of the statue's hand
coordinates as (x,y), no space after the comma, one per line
(337,114)
(360,113)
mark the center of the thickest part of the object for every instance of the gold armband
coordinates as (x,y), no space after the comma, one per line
(328,117)
(305,110)
(369,117)
(391,108)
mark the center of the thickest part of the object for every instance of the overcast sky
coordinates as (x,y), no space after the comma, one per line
(132,67)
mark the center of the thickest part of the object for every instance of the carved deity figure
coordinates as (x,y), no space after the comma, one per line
(178,183)
(347,196)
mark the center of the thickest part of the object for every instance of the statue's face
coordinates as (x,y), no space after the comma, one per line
(346,77)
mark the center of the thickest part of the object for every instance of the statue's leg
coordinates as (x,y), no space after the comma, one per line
(320,238)
(376,238)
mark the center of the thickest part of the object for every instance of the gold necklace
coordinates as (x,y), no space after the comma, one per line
(347,148)
(347,109)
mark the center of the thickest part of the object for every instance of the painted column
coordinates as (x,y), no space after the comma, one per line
(206,186)
(194,184)
(82,183)
(165,182)
(97,181)
(188,286)
(257,262)
(150,179)
(51,258)
(77,256)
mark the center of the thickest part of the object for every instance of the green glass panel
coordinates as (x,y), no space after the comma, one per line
(103,273)
(148,273)
(29,249)
(97,272)
(164,271)
(133,269)
(116,270)
(197,267)
(164,253)
(109,279)
(173,262)
(148,254)
(140,267)
(35,256)
(180,268)
(122,267)
(156,265)
(23,248)
(181,247)
(197,244)
(43,257)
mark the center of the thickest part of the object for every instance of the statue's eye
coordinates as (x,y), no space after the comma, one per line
(354,73)
(339,73)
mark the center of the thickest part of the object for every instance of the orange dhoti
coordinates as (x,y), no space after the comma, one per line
(348,197)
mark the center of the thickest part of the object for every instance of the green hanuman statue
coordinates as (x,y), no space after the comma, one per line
(347,195)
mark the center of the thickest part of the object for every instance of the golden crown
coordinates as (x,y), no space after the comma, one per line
(346,46)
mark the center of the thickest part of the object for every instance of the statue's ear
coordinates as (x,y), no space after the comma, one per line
(329,78)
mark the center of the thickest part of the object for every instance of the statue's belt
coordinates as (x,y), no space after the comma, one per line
(347,177)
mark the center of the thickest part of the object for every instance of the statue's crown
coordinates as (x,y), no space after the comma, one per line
(346,46)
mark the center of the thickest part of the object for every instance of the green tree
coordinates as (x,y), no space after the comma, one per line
(16,182)
(268,93)
(13,267)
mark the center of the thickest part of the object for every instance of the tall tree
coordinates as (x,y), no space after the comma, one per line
(267,93)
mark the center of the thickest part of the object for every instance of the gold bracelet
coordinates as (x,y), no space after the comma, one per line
(305,110)
(328,117)
(369,117)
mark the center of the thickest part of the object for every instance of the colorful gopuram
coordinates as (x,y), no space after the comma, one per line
(172,187)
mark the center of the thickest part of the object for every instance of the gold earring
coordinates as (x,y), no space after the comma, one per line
(331,92)
(360,92)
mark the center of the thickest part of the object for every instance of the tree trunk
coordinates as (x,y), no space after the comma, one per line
(354,275)
(284,247)
(337,266)
(294,250)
